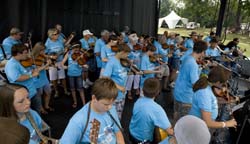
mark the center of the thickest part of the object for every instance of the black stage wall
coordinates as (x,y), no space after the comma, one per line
(37,16)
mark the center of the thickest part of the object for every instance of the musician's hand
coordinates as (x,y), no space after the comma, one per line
(139,73)
(86,66)
(53,57)
(26,44)
(231,123)
(158,71)
(35,72)
(65,67)
(123,89)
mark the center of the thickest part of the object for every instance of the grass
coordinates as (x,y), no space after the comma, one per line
(244,40)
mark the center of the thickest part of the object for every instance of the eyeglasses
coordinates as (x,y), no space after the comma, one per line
(55,34)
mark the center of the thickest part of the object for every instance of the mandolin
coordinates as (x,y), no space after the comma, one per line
(94,131)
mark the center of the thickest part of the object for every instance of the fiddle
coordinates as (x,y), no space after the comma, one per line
(27,63)
(165,46)
(223,94)
(115,48)
(126,63)
(80,58)
(137,47)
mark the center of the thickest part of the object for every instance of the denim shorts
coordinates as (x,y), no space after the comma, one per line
(75,82)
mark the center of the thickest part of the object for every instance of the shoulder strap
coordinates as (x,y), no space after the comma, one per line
(4,54)
(86,124)
(33,124)
(44,139)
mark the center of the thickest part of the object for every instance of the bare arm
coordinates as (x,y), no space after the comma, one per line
(206,116)
(119,138)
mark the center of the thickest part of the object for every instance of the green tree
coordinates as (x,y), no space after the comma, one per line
(166,7)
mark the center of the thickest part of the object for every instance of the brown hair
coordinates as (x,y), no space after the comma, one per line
(7,98)
(151,87)
(18,48)
(12,132)
(200,46)
(39,46)
(217,74)
(149,47)
(104,88)
(124,47)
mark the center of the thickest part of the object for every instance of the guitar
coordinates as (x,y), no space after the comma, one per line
(159,135)
(94,131)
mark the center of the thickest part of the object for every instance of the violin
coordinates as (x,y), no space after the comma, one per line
(27,63)
(115,48)
(165,46)
(137,47)
(126,63)
(80,58)
(223,93)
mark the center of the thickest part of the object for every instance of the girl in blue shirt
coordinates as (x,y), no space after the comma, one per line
(204,103)
(75,72)
(15,103)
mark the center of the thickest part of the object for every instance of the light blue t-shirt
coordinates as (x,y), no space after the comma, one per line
(188,75)
(189,43)
(98,46)
(55,47)
(34,138)
(117,73)
(74,69)
(146,115)
(146,65)
(170,41)
(207,39)
(204,99)
(41,80)
(164,54)
(107,53)
(92,39)
(7,45)
(84,44)
(76,125)
(14,70)
(213,52)
(187,53)
(157,46)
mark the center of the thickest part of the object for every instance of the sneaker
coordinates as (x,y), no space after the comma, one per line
(89,82)
(67,92)
(172,84)
(84,84)
(56,94)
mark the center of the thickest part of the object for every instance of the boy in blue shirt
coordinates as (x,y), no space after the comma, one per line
(189,73)
(147,114)
(100,108)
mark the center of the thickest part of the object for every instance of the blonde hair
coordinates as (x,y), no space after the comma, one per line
(51,31)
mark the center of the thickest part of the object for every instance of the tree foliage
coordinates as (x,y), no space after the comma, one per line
(206,12)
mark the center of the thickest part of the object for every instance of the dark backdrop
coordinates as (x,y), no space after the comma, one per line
(37,16)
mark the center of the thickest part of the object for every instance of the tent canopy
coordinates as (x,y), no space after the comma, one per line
(172,19)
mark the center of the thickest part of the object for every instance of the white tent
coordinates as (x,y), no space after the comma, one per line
(172,19)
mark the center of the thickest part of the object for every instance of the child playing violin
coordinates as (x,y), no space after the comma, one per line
(204,104)
(75,72)
(118,73)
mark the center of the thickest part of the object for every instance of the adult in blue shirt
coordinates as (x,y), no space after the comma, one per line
(147,114)
(97,49)
(212,50)
(15,104)
(61,36)
(100,108)
(84,41)
(16,73)
(188,75)
(118,73)
(189,43)
(205,105)
(14,38)
(210,37)
(55,49)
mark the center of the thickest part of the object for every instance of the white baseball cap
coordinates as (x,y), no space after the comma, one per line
(86,32)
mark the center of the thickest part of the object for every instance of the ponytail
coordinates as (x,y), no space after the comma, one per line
(201,83)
